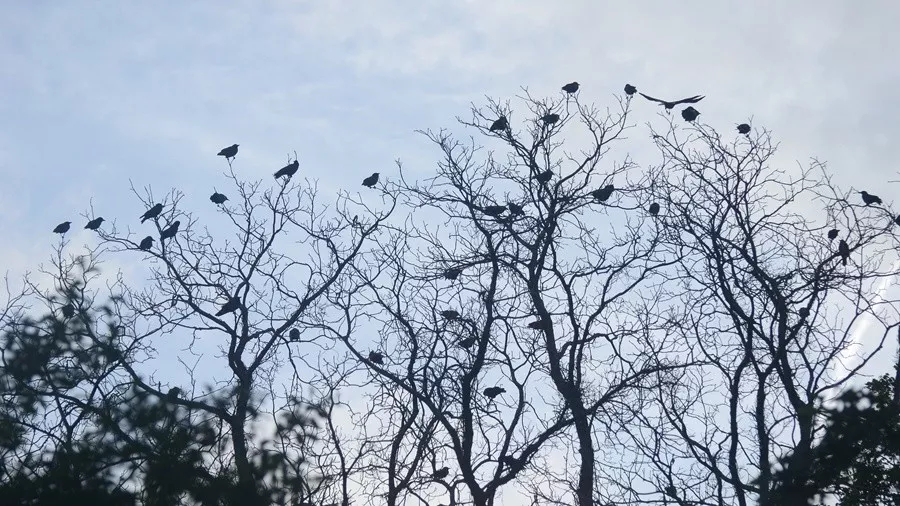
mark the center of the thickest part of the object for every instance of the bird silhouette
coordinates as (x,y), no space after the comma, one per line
(376,358)
(833,233)
(653,209)
(450,314)
(743,128)
(173,394)
(803,312)
(170,232)
(515,209)
(452,273)
(493,210)
(690,114)
(669,105)
(544,177)
(94,224)
(371,181)
(467,342)
(843,251)
(492,392)
(152,213)
(68,310)
(229,152)
(630,90)
(294,335)
(146,243)
(288,170)
(571,87)
(500,124)
(550,118)
(870,199)
(231,306)
(897,219)
(539,325)
(217,198)
(603,194)
(441,473)
(62,228)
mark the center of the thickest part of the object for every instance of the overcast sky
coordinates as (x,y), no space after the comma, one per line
(95,93)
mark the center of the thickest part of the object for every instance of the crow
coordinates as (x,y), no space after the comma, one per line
(452,273)
(173,394)
(550,118)
(229,152)
(492,392)
(571,87)
(376,358)
(231,306)
(743,128)
(670,105)
(630,90)
(493,210)
(450,314)
(603,194)
(63,227)
(843,251)
(170,232)
(690,114)
(152,213)
(500,124)
(288,170)
(94,224)
(68,310)
(544,177)
(217,198)
(371,181)
(539,325)
(870,199)
(467,342)
(653,209)
(515,209)
(294,335)
(833,233)
(146,243)
(441,473)
(803,312)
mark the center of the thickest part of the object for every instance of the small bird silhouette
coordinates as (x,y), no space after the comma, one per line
(539,325)
(544,177)
(571,87)
(803,312)
(376,358)
(515,209)
(897,219)
(833,233)
(870,199)
(499,124)
(630,90)
(653,209)
(452,273)
(467,342)
(229,152)
(62,228)
(231,306)
(146,243)
(603,194)
(371,181)
(152,213)
(670,105)
(68,310)
(690,114)
(173,394)
(450,314)
(288,170)
(743,128)
(170,232)
(217,198)
(492,392)
(843,251)
(493,210)
(294,335)
(94,224)
(550,118)
(441,473)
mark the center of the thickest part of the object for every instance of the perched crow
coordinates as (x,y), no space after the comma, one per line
(94,224)
(690,114)
(500,124)
(146,243)
(376,358)
(288,170)
(843,251)
(441,473)
(671,491)
(539,325)
(450,314)
(870,199)
(492,392)
(452,273)
(653,209)
(630,90)
(68,310)
(169,232)
(294,335)
(467,342)
(550,118)
(571,87)
(833,233)
(544,177)
(603,194)
(229,152)
(743,128)
(514,209)
(63,227)
(803,312)
(217,198)
(173,394)
(231,306)
(670,105)
(371,181)
(493,210)
(151,213)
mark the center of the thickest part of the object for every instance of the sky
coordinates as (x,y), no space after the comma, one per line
(97,95)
